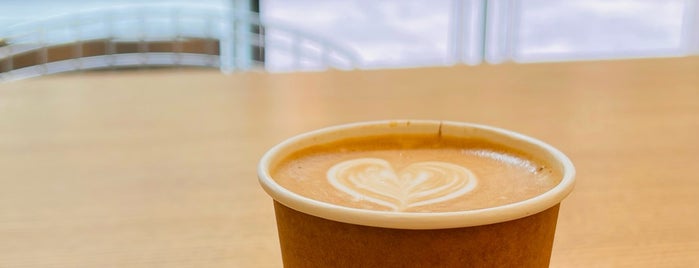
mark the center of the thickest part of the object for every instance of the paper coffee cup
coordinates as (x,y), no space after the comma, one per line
(318,234)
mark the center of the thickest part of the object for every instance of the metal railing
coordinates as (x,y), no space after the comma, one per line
(158,35)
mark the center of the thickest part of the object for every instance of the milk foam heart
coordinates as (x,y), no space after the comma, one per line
(419,184)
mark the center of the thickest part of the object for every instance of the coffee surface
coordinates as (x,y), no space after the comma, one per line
(414,173)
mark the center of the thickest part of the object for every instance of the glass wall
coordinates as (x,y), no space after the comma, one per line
(314,35)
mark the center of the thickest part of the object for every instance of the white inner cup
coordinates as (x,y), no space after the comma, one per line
(418,220)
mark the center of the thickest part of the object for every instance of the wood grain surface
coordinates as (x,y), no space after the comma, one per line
(158,168)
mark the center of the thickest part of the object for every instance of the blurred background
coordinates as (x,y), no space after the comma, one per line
(43,37)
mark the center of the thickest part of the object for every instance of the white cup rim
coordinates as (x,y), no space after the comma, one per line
(416,220)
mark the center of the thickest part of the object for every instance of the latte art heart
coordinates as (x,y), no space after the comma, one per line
(419,184)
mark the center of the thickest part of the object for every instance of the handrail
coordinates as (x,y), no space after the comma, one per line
(142,25)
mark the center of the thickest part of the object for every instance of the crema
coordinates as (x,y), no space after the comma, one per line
(414,173)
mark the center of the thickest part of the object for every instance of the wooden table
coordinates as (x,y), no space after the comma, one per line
(157,168)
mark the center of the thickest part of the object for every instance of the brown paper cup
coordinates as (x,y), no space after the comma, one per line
(317,234)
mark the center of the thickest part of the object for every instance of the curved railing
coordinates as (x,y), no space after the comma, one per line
(160,35)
